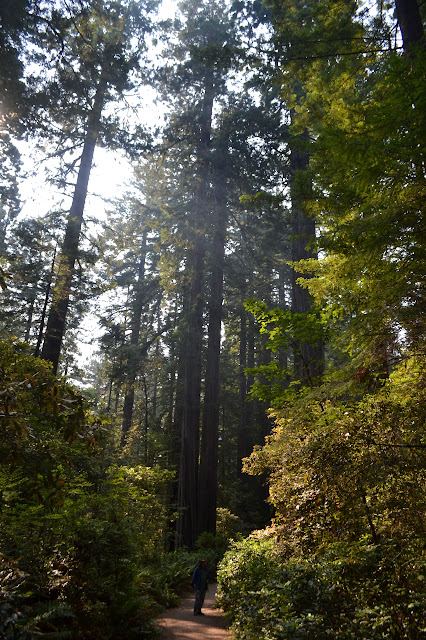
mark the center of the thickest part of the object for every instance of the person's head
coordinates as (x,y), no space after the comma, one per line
(202,563)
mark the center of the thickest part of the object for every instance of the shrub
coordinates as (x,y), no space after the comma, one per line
(346,591)
(169,578)
(74,528)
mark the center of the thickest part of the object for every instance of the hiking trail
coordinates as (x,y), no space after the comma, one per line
(181,624)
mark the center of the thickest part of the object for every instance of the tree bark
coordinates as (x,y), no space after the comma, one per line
(410,23)
(46,302)
(133,360)
(308,356)
(188,473)
(209,443)
(251,361)
(242,439)
(29,320)
(62,290)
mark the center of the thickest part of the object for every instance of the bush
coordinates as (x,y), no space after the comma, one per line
(74,528)
(348,590)
(169,578)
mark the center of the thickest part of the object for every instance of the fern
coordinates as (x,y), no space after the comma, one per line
(10,482)
(46,622)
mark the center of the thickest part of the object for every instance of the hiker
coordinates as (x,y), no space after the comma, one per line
(200,580)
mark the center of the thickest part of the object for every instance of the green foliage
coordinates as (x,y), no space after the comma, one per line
(228,524)
(366,114)
(346,459)
(213,546)
(284,329)
(346,559)
(349,590)
(75,528)
(169,578)
(343,469)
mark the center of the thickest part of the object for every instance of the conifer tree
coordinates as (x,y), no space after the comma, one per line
(94,65)
(197,84)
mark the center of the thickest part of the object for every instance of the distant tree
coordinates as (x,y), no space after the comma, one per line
(29,249)
(94,60)
(10,203)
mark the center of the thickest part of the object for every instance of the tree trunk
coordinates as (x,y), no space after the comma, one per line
(175,439)
(46,302)
(210,433)
(62,290)
(188,473)
(242,439)
(284,284)
(133,360)
(308,356)
(410,23)
(251,361)
(29,320)
(157,355)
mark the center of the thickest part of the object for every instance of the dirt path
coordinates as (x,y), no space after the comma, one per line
(181,624)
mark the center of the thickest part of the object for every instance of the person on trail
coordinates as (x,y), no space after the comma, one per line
(200,581)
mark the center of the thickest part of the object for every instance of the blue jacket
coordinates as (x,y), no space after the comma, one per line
(196,578)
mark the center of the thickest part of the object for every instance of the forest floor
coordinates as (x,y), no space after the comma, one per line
(181,624)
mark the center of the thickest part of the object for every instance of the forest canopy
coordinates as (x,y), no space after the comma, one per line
(255,384)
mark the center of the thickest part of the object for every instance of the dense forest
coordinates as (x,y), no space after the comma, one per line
(255,385)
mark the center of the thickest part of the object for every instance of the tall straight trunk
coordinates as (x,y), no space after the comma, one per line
(410,23)
(175,439)
(176,394)
(62,290)
(108,409)
(157,355)
(45,304)
(133,361)
(246,360)
(251,358)
(188,472)
(308,356)
(242,439)
(146,419)
(207,485)
(284,278)
(29,320)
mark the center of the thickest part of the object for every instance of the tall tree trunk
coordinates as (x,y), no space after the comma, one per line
(246,416)
(146,419)
(175,448)
(108,409)
(176,394)
(308,356)
(188,473)
(251,360)
(157,355)
(62,290)
(284,283)
(29,320)
(133,361)
(410,23)
(242,436)
(45,304)
(209,442)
